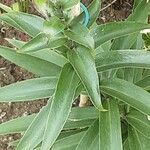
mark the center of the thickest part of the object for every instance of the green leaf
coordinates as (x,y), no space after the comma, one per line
(127,92)
(94,10)
(17,43)
(41,6)
(78,113)
(37,43)
(144,83)
(21,124)
(81,35)
(67,4)
(112,30)
(136,3)
(28,23)
(5,8)
(50,56)
(140,122)
(126,145)
(53,26)
(140,14)
(137,141)
(33,64)
(109,127)
(78,124)
(121,59)
(68,142)
(17,125)
(89,136)
(32,89)
(32,136)
(84,65)
(61,105)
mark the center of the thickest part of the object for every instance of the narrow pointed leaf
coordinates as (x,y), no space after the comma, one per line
(41,6)
(5,8)
(31,89)
(121,59)
(28,23)
(144,83)
(84,65)
(32,137)
(67,142)
(21,124)
(66,4)
(109,127)
(89,136)
(80,113)
(17,125)
(50,56)
(140,14)
(53,26)
(32,64)
(78,124)
(137,141)
(95,144)
(127,92)
(112,30)
(126,145)
(140,122)
(61,105)
(17,43)
(94,10)
(37,43)
(84,38)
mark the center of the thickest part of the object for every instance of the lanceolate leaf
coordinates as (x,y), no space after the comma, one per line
(94,10)
(21,124)
(66,4)
(41,5)
(37,43)
(84,38)
(28,23)
(144,83)
(28,90)
(122,58)
(127,92)
(78,124)
(140,14)
(61,105)
(81,113)
(126,145)
(17,43)
(140,122)
(95,144)
(5,8)
(32,64)
(112,30)
(84,65)
(67,142)
(17,125)
(50,56)
(53,26)
(137,141)
(89,136)
(32,137)
(109,127)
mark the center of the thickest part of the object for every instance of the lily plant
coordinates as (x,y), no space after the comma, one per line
(107,62)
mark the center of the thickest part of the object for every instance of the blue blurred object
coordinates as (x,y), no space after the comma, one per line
(86,15)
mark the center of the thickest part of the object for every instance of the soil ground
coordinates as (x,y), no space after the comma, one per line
(10,73)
